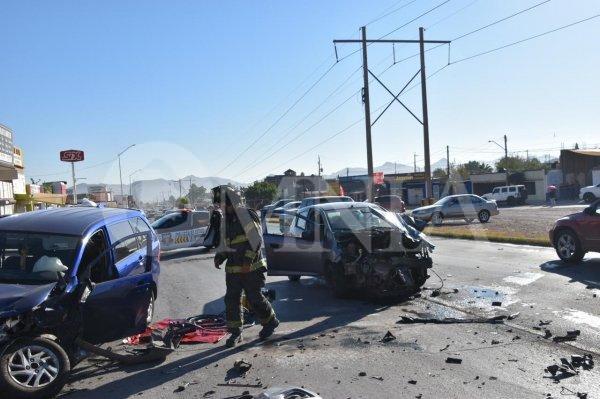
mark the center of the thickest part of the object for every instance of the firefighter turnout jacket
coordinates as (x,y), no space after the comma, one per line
(241,243)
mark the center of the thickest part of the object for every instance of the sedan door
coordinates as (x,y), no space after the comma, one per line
(302,254)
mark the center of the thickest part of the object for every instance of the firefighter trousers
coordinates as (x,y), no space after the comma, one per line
(251,283)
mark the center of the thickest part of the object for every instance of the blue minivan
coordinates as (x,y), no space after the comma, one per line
(67,275)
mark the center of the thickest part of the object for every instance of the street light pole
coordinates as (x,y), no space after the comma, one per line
(131,174)
(120,174)
(505,148)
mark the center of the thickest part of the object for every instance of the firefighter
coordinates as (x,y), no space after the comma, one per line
(241,245)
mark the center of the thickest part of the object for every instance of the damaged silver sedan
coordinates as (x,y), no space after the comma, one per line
(357,247)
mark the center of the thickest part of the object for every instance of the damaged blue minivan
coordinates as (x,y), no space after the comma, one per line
(69,275)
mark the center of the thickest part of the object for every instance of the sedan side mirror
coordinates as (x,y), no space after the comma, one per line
(308,235)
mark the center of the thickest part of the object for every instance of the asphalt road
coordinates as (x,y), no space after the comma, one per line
(324,343)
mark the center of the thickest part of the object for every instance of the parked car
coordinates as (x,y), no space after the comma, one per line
(266,210)
(574,235)
(511,195)
(66,275)
(324,200)
(286,214)
(590,193)
(391,202)
(182,229)
(356,246)
(463,206)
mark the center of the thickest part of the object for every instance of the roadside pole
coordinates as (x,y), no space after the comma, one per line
(425,116)
(74,183)
(367,102)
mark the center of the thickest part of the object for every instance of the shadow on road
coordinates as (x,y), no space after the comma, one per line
(586,272)
(184,253)
(303,301)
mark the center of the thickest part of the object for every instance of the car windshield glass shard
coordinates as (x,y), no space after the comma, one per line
(35,258)
(355,219)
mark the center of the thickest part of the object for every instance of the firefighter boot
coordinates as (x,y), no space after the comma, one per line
(269,328)
(234,339)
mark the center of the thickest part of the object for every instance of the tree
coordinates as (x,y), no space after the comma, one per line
(518,164)
(182,202)
(463,171)
(439,173)
(196,193)
(259,193)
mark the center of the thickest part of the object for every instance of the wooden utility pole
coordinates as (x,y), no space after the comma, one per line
(368,125)
(428,187)
(367,103)
(448,161)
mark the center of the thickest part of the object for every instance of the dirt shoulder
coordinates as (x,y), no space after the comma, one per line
(519,225)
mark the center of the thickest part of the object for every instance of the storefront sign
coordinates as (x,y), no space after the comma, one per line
(6,146)
(18,157)
(71,156)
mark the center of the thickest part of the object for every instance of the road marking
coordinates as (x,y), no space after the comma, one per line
(523,278)
(580,317)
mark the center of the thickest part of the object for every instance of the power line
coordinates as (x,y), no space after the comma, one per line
(526,39)
(501,20)
(278,119)
(414,19)
(79,169)
(398,28)
(451,15)
(386,14)
(479,29)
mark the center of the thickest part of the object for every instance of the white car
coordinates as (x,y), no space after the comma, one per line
(182,229)
(590,193)
(510,195)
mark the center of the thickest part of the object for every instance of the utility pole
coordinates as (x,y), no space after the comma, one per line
(367,102)
(425,116)
(319,166)
(415,162)
(505,148)
(448,161)
(179,188)
(428,186)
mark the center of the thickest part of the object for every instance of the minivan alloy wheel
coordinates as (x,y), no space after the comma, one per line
(33,366)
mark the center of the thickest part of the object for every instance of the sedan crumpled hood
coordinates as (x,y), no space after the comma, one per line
(19,298)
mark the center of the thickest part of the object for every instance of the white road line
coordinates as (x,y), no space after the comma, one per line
(523,278)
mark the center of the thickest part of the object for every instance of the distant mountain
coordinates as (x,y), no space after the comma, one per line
(387,168)
(156,189)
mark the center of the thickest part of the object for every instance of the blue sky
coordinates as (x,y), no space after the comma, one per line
(193,83)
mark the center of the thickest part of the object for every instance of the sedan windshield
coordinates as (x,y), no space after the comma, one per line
(35,258)
(356,219)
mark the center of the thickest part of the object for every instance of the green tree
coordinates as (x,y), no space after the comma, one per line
(463,171)
(439,173)
(260,193)
(518,164)
(196,193)
(182,202)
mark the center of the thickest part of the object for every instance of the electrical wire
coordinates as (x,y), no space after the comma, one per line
(386,14)
(451,15)
(414,19)
(501,20)
(526,39)
(263,134)
(79,169)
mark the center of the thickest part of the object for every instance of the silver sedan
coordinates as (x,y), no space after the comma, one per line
(465,206)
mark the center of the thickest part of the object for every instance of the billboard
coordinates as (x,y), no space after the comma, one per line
(71,156)
(6,146)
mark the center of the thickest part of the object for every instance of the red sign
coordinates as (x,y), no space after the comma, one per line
(378,178)
(71,156)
